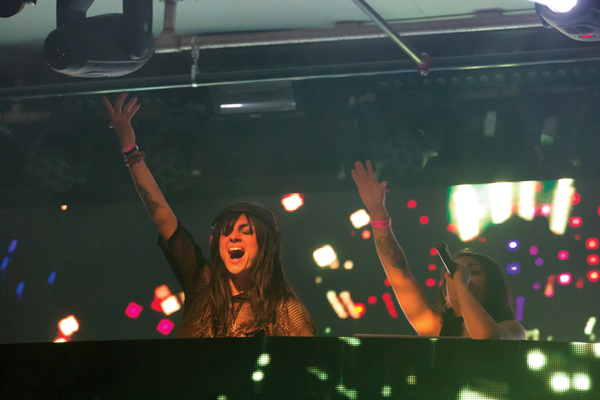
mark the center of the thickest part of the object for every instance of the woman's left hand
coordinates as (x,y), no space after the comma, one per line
(461,275)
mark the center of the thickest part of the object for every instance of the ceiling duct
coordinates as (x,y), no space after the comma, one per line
(253,98)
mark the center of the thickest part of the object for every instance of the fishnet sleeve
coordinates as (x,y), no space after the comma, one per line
(186,260)
(294,320)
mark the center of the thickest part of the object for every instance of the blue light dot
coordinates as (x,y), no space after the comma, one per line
(5,262)
(13,246)
(20,288)
(513,245)
(513,268)
(52,277)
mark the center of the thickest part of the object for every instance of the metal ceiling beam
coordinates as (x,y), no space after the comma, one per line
(296,73)
(168,42)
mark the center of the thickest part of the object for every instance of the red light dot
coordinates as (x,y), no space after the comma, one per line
(424,220)
(387,282)
(593,276)
(411,204)
(352,233)
(577,237)
(431,267)
(593,259)
(366,234)
(576,198)
(563,255)
(482,240)
(430,282)
(579,283)
(575,222)
(591,243)
(433,252)
(598,210)
(451,228)
(372,300)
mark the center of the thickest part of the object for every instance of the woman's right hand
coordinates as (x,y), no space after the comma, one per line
(371,191)
(120,117)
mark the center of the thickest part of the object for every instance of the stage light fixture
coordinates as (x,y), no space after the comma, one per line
(100,46)
(579,20)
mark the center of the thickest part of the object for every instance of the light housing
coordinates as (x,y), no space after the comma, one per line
(581,23)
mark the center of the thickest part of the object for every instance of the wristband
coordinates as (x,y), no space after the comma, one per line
(129,149)
(381,224)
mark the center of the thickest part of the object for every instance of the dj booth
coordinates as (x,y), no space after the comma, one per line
(301,368)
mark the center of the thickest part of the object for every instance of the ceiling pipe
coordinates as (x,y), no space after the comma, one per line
(169,42)
(296,73)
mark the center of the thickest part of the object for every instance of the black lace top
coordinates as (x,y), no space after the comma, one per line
(193,273)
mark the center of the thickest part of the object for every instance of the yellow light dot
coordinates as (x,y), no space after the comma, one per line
(349,264)
(318,279)
(63,207)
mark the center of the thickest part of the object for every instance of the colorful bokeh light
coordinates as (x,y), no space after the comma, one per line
(372,300)
(546,210)
(68,325)
(593,276)
(513,268)
(563,255)
(564,278)
(431,267)
(593,259)
(4,263)
(424,220)
(13,245)
(575,222)
(536,286)
(513,245)
(430,282)
(539,262)
(533,250)
(366,234)
(360,218)
(165,326)
(387,298)
(411,204)
(133,310)
(591,243)
(292,202)
(52,277)
(324,256)
(576,198)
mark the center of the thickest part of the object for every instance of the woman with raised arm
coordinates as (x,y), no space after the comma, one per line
(242,290)
(473,303)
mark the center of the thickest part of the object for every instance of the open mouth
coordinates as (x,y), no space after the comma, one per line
(236,253)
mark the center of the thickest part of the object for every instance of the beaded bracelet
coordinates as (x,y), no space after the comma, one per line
(130,152)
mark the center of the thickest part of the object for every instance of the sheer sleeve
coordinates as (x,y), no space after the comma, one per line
(186,260)
(293,320)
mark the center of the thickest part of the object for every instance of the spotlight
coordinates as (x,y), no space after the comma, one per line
(104,45)
(579,20)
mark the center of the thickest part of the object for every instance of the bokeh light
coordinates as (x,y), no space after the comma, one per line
(263,360)
(424,220)
(292,202)
(520,302)
(533,250)
(165,326)
(539,262)
(513,268)
(411,204)
(63,207)
(430,282)
(564,278)
(579,283)
(372,300)
(591,243)
(546,210)
(563,255)
(433,252)
(560,382)
(513,245)
(581,382)
(366,234)
(170,305)
(324,256)
(593,276)
(20,287)
(336,304)
(68,325)
(536,360)
(431,267)
(133,310)
(258,375)
(348,264)
(4,263)
(575,199)
(12,246)
(593,259)
(52,277)
(575,222)
(360,218)
(536,286)
(387,298)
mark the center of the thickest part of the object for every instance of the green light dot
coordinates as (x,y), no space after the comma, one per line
(536,360)
(327,330)
(560,382)
(386,391)
(258,376)
(411,379)
(581,382)
(263,360)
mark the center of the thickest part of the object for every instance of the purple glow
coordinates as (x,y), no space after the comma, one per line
(533,250)
(512,245)
(536,286)
(539,262)
(520,303)
(513,268)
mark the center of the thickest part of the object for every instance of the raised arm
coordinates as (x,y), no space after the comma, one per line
(421,315)
(479,323)
(159,210)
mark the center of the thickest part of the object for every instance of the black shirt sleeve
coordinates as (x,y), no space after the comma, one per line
(186,260)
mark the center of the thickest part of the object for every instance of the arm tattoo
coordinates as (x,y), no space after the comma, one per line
(390,250)
(151,205)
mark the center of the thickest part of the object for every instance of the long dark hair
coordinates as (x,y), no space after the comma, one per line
(497,301)
(268,287)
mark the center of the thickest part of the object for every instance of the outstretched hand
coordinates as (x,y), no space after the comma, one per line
(120,117)
(371,191)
